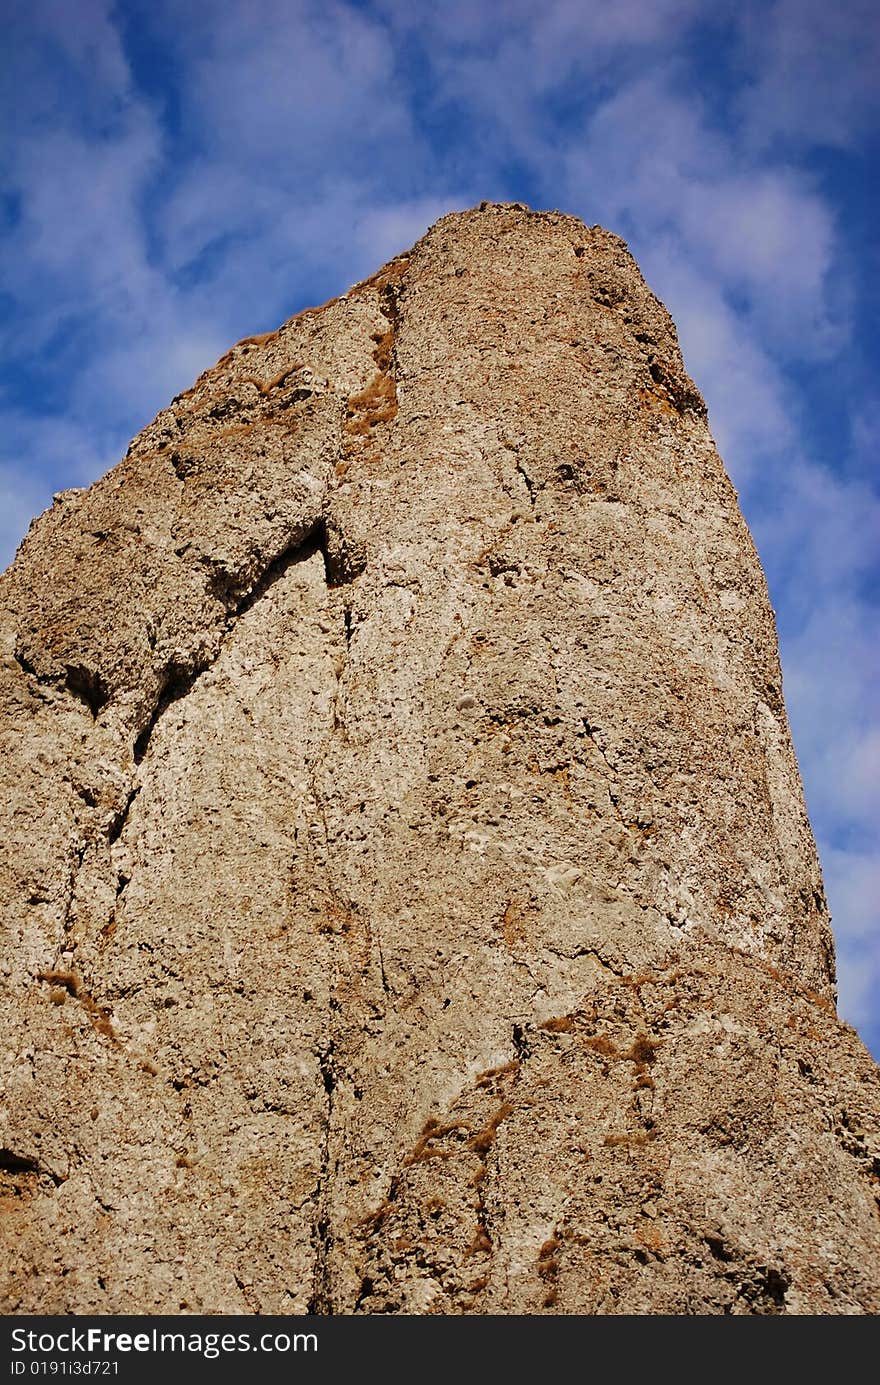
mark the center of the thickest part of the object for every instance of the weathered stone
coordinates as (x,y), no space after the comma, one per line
(408,901)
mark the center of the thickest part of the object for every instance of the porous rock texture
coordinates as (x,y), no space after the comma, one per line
(409,904)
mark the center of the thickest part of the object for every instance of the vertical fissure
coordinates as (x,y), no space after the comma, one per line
(321,1300)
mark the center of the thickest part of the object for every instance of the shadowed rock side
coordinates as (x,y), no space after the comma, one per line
(408,899)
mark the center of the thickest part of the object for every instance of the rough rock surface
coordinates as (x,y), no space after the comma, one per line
(408,901)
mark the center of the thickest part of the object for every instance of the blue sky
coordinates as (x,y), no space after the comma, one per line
(176,175)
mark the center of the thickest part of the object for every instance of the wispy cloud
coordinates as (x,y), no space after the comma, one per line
(809,72)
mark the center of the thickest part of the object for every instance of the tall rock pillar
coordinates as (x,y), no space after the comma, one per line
(408,902)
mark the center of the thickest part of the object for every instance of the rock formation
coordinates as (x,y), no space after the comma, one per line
(408,901)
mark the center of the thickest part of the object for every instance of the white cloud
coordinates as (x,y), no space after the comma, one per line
(746,393)
(21,497)
(91,43)
(865,424)
(564,34)
(293,86)
(852,880)
(211,203)
(75,258)
(827,525)
(79,199)
(651,161)
(813,69)
(385,230)
(40,456)
(858,984)
(769,236)
(61,66)
(831,669)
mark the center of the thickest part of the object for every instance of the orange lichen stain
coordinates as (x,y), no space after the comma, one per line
(259,340)
(384,347)
(389,274)
(638,979)
(374,1220)
(641,1137)
(562,1025)
(657,402)
(375,404)
(64,983)
(68,980)
(548,1268)
(432,1130)
(512,924)
(821,1001)
(335,918)
(313,312)
(480,1244)
(642,1050)
(651,1238)
(483,1141)
(266,386)
(490,1076)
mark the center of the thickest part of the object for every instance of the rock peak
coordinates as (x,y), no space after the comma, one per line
(412,905)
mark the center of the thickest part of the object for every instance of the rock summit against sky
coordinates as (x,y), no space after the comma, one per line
(409,903)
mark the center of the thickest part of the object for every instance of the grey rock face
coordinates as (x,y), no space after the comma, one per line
(408,901)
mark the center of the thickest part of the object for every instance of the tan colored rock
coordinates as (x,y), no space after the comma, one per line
(408,900)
